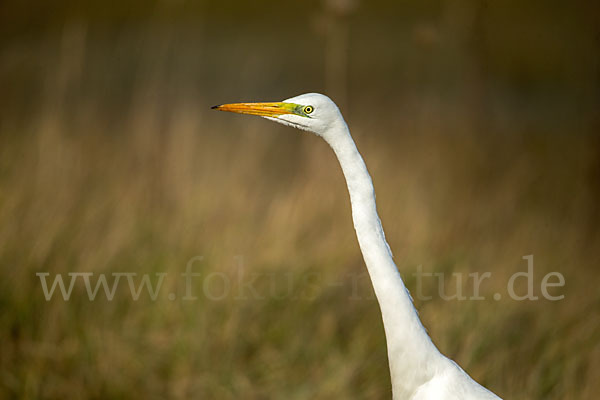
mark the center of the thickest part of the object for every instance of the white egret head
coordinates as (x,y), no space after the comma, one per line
(311,112)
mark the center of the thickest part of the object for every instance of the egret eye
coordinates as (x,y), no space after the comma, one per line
(308,109)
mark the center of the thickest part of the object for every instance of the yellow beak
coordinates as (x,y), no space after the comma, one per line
(261,109)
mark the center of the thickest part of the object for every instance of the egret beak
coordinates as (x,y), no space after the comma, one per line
(262,109)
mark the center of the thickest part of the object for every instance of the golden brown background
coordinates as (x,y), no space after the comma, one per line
(479,122)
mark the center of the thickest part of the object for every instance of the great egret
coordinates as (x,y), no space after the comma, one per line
(417,368)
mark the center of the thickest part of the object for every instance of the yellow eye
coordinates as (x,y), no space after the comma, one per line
(308,109)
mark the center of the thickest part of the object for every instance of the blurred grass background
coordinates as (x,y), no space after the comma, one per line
(479,122)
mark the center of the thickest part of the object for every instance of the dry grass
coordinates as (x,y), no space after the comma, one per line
(162,179)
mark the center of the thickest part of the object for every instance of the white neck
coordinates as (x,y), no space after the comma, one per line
(413,358)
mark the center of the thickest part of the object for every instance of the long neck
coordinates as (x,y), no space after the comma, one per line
(412,356)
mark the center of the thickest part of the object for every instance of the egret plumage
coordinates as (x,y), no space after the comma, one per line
(418,369)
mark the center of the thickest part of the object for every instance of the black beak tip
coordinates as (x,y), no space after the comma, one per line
(215,107)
